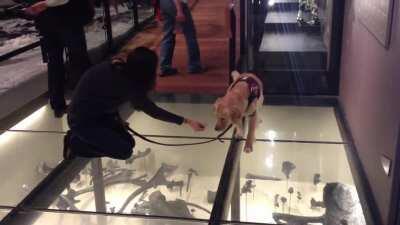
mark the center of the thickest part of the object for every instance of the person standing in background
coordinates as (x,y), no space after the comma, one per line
(61,25)
(176,16)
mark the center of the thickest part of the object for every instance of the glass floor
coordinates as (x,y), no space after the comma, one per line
(299,173)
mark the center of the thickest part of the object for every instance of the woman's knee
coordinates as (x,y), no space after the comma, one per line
(126,150)
(125,153)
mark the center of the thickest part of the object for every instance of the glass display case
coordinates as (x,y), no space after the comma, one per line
(122,16)
(96,35)
(25,161)
(145,9)
(298,173)
(87,219)
(298,183)
(201,111)
(156,180)
(16,33)
(3,213)
(296,123)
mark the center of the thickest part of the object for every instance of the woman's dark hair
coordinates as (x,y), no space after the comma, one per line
(141,67)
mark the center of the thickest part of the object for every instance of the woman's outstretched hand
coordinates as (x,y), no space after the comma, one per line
(195,125)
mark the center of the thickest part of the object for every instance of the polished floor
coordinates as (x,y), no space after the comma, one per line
(299,151)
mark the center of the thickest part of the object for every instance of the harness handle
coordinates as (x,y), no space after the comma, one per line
(218,138)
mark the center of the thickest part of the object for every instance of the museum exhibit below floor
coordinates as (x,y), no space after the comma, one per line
(299,172)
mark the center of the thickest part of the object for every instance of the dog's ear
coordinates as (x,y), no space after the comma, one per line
(216,104)
(235,75)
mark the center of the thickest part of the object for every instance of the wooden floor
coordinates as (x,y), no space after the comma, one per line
(210,21)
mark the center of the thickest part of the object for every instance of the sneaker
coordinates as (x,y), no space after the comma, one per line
(67,152)
(168,72)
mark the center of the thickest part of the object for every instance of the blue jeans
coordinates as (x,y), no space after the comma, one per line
(168,10)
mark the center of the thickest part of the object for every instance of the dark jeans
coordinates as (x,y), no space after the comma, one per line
(54,43)
(105,138)
(168,42)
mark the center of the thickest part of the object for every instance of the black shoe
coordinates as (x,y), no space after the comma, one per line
(67,152)
(168,72)
(58,113)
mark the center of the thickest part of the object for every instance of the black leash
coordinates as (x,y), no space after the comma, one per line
(218,138)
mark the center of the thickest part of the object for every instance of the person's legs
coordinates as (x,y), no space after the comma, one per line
(75,41)
(189,31)
(56,71)
(94,142)
(168,42)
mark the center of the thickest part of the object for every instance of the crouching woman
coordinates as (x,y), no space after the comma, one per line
(96,130)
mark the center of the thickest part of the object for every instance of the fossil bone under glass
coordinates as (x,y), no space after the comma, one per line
(298,183)
(160,181)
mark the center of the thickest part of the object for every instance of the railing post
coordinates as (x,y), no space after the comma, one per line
(135,13)
(107,24)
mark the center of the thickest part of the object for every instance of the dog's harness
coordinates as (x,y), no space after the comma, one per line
(254,88)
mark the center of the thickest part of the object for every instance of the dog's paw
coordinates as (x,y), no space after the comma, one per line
(238,135)
(248,149)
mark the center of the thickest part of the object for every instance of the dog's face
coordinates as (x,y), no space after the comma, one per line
(226,114)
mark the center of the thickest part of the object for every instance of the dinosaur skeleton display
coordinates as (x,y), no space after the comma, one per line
(154,203)
(159,179)
(341,204)
(340,201)
(158,205)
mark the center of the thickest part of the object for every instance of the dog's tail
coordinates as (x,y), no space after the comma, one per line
(235,75)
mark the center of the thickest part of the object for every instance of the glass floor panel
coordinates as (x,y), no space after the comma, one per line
(159,181)
(3,213)
(201,112)
(25,160)
(298,123)
(278,122)
(44,218)
(298,183)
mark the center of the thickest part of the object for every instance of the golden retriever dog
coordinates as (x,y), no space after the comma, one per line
(242,99)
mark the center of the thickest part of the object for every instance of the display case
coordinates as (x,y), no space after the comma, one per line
(3,213)
(122,14)
(297,183)
(96,34)
(145,10)
(300,172)
(91,219)
(178,182)
(201,111)
(16,33)
(25,161)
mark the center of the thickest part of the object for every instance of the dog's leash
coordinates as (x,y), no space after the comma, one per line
(218,138)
